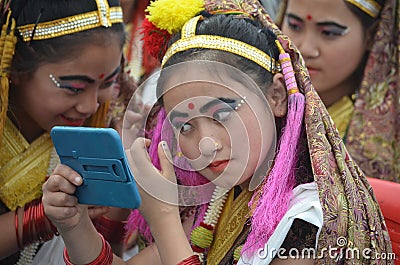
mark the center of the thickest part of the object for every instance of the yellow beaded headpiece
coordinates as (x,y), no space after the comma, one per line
(104,16)
(371,7)
(190,40)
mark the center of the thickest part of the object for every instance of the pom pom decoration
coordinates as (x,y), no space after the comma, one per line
(202,236)
(172,15)
(154,39)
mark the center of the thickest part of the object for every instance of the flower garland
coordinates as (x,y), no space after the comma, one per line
(203,235)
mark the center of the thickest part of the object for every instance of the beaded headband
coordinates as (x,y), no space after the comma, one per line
(104,16)
(370,7)
(190,40)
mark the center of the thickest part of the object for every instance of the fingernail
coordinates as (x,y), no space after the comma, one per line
(165,147)
(78,180)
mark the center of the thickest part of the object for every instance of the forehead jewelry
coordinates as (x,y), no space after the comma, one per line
(241,102)
(54,80)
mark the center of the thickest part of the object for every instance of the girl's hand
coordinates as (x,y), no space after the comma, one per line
(158,189)
(60,205)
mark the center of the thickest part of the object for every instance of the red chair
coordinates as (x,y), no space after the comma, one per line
(388,195)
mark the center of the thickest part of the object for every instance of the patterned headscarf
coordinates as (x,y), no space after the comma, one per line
(349,206)
(373,135)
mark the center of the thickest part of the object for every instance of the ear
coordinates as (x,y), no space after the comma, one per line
(277,96)
(18,79)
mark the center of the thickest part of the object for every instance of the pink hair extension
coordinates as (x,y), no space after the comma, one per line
(272,200)
(163,131)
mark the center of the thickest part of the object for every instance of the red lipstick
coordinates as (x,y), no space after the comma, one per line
(218,166)
(72,122)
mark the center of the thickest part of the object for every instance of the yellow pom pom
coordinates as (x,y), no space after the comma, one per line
(171,15)
(202,237)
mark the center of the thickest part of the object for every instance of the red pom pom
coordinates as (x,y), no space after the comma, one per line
(198,249)
(206,226)
(155,40)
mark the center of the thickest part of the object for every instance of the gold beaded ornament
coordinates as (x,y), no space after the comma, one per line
(371,7)
(104,16)
(190,40)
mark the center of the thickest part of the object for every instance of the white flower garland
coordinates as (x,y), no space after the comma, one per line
(214,210)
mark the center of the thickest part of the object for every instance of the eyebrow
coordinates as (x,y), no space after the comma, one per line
(215,102)
(86,78)
(174,114)
(325,23)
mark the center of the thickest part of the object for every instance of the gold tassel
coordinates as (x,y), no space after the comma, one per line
(7,48)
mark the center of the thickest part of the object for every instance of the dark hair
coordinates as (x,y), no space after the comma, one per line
(30,55)
(245,30)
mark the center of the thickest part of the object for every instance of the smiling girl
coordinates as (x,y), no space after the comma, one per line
(51,74)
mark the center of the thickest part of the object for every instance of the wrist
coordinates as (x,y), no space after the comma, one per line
(32,225)
(104,258)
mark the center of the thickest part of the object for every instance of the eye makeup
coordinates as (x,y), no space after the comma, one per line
(218,109)
(333,28)
(329,28)
(79,82)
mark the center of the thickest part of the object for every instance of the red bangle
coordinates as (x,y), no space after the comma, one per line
(113,231)
(36,227)
(192,260)
(105,257)
(16,228)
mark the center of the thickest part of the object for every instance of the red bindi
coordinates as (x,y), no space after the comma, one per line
(191,106)
(309,17)
(101,76)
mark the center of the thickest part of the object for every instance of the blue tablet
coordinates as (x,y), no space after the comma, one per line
(98,156)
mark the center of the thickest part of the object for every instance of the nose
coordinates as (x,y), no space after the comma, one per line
(87,103)
(210,133)
(208,146)
(308,45)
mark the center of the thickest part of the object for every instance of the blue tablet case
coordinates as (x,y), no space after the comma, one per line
(98,156)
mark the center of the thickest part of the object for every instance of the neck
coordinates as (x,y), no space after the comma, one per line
(346,88)
(26,126)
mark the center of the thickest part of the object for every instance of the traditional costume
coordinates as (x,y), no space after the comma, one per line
(336,203)
(25,165)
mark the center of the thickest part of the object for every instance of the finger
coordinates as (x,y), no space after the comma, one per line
(167,168)
(139,154)
(68,173)
(57,183)
(59,214)
(59,199)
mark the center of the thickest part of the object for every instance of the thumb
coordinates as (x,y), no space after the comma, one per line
(166,162)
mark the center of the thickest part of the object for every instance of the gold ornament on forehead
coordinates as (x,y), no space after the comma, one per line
(104,16)
(190,40)
(371,7)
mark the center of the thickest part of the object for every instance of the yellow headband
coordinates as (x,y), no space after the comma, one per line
(105,16)
(370,7)
(190,40)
